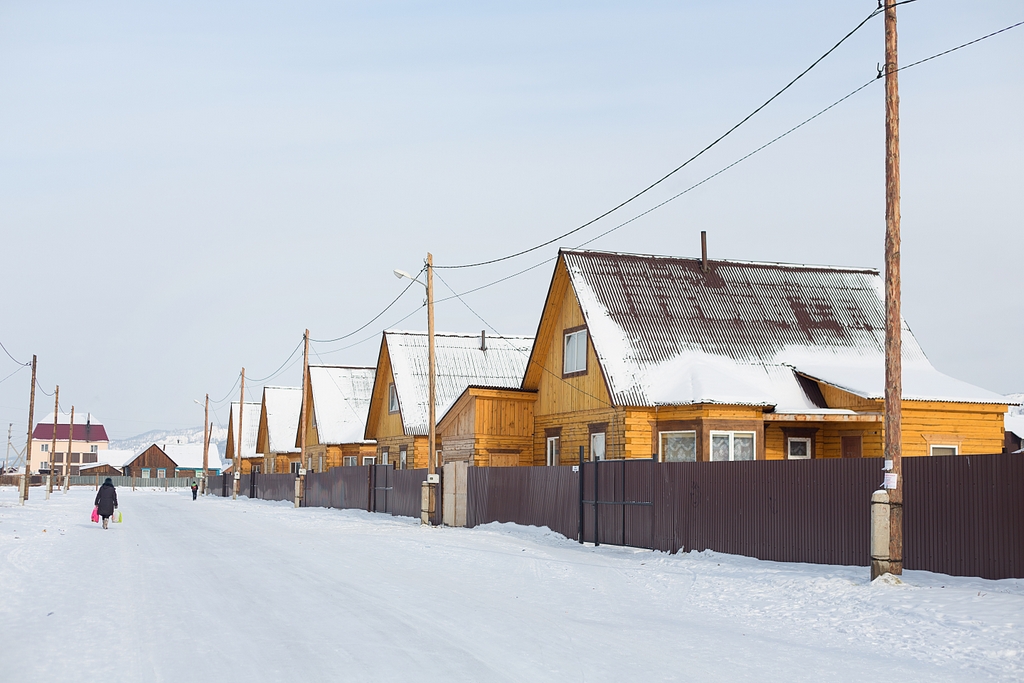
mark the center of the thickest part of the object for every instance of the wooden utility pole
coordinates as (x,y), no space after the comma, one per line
(236,465)
(26,480)
(67,456)
(7,456)
(429,493)
(53,441)
(300,483)
(893,319)
(206,443)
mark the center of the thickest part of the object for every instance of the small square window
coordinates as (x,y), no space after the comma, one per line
(161,473)
(732,446)
(944,450)
(798,448)
(369,460)
(349,461)
(392,398)
(45,448)
(574,358)
(94,449)
(294,466)
(678,446)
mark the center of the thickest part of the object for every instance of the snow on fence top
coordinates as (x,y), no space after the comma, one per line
(461,362)
(282,405)
(341,402)
(668,333)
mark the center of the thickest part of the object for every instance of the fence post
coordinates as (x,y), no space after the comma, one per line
(581,496)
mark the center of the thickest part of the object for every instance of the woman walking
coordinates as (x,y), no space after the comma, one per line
(106,501)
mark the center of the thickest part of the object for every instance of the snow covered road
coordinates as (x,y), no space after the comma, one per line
(217,590)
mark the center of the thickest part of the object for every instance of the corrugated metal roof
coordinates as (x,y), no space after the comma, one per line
(283,405)
(651,317)
(460,363)
(251,425)
(341,402)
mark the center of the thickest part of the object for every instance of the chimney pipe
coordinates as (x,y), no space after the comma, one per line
(704,250)
(483,340)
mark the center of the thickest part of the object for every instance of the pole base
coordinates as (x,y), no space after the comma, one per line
(428,497)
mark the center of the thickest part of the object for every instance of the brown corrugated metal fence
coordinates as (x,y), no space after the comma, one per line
(536,496)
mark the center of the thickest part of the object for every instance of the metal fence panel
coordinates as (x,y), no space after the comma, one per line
(406,498)
(276,486)
(534,496)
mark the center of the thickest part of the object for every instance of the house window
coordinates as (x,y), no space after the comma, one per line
(678,446)
(294,466)
(574,359)
(732,445)
(255,469)
(385,455)
(798,448)
(320,464)
(392,398)
(554,444)
(369,460)
(94,449)
(161,473)
(45,448)
(597,442)
(349,461)
(939,449)
(145,473)
(76,457)
(58,457)
(403,454)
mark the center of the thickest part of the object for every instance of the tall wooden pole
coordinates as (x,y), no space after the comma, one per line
(67,456)
(206,442)
(893,320)
(26,480)
(432,364)
(53,441)
(300,484)
(236,465)
(7,456)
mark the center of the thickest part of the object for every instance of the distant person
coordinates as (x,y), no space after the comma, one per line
(106,501)
(195,489)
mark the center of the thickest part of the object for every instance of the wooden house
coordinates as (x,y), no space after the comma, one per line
(172,460)
(489,427)
(151,463)
(99,469)
(337,401)
(250,460)
(279,422)
(399,408)
(677,359)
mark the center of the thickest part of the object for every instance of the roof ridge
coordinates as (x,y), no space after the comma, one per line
(697,259)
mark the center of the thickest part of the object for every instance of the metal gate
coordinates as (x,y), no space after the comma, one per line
(381,487)
(616,502)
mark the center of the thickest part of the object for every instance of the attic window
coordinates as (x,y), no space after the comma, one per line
(392,398)
(574,359)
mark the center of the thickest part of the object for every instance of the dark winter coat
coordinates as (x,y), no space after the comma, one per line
(106,500)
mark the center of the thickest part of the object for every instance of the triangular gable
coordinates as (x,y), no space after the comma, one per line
(338,401)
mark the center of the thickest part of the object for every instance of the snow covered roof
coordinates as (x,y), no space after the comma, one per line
(190,455)
(460,363)
(668,333)
(94,465)
(341,402)
(116,457)
(251,425)
(1015,424)
(282,406)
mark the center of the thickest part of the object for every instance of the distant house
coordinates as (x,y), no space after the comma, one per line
(279,423)
(399,416)
(99,469)
(250,459)
(89,440)
(159,461)
(337,401)
(648,356)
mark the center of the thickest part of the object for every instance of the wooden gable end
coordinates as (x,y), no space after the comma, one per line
(556,391)
(229,448)
(263,433)
(380,423)
(152,458)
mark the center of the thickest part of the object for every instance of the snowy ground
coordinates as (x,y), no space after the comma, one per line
(251,591)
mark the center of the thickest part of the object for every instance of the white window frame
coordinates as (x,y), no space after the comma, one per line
(670,432)
(349,461)
(393,405)
(161,473)
(94,449)
(44,448)
(601,437)
(403,457)
(732,449)
(932,447)
(369,459)
(573,361)
(790,440)
(294,466)
(320,464)
(385,456)
(145,472)
(554,450)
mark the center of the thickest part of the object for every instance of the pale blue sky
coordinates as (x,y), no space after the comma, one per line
(185,186)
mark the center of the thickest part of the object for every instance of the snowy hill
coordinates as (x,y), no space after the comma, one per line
(164,436)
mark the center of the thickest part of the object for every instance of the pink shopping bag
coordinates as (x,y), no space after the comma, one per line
(95,514)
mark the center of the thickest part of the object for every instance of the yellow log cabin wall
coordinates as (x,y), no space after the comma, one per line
(387,427)
(490,428)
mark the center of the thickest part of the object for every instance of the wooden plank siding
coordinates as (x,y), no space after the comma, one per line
(489,427)
(387,428)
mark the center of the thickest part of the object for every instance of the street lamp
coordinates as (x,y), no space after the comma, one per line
(430,500)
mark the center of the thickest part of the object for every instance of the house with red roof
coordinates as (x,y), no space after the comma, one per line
(88,441)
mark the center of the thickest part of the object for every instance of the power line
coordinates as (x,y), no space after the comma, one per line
(372,336)
(681,166)
(374,318)
(12,357)
(275,373)
(734,163)
(12,374)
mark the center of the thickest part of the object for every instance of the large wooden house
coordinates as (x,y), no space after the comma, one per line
(250,460)
(399,408)
(648,356)
(279,422)
(337,401)
(158,461)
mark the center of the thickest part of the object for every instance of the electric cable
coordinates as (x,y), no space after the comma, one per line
(681,166)
(376,317)
(12,357)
